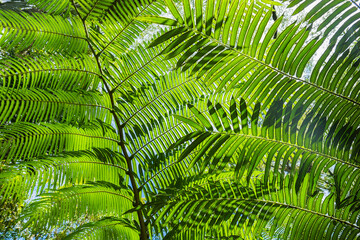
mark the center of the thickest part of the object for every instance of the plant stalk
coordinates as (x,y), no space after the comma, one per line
(144,235)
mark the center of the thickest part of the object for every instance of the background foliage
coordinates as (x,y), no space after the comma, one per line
(164,119)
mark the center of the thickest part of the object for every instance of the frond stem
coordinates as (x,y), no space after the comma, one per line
(63,133)
(144,235)
(91,10)
(51,70)
(305,210)
(99,191)
(68,103)
(39,31)
(295,146)
(122,30)
(100,163)
(137,202)
(157,97)
(152,140)
(283,205)
(275,69)
(132,74)
(357,5)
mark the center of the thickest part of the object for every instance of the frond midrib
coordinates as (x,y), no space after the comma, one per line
(122,30)
(92,192)
(168,166)
(50,70)
(91,10)
(133,73)
(290,145)
(275,69)
(61,102)
(356,4)
(90,162)
(89,233)
(11,139)
(163,134)
(42,31)
(280,204)
(156,98)
(152,140)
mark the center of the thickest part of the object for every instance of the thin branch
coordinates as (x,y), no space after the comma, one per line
(67,103)
(275,69)
(100,163)
(50,70)
(132,74)
(156,98)
(136,201)
(91,10)
(63,133)
(41,31)
(356,4)
(98,191)
(122,30)
(283,205)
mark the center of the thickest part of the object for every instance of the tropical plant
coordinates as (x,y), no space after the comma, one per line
(218,119)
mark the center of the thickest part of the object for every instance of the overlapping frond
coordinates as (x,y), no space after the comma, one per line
(92,9)
(54,72)
(40,105)
(69,203)
(121,31)
(106,228)
(336,12)
(27,140)
(234,37)
(283,141)
(31,178)
(125,10)
(262,69)
(209,205)
(145,137)
(114,10)
(162,171)
(40,31)
(163,96)
(132,70)
(53,7)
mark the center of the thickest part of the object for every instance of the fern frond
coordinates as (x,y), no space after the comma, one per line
(126,10)
(163,97)
(336,13)
(92,9)
(40,105)
(209,205)
(281,139)
(121,11)
(120,138)
(52,7)
(41,31)
(26,179)
(26,140)
(106,228)
(121,30)
(55,72)
(337,69)
(51,209)
(262,70)
(135,68)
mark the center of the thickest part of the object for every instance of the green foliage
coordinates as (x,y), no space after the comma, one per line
(204,119)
